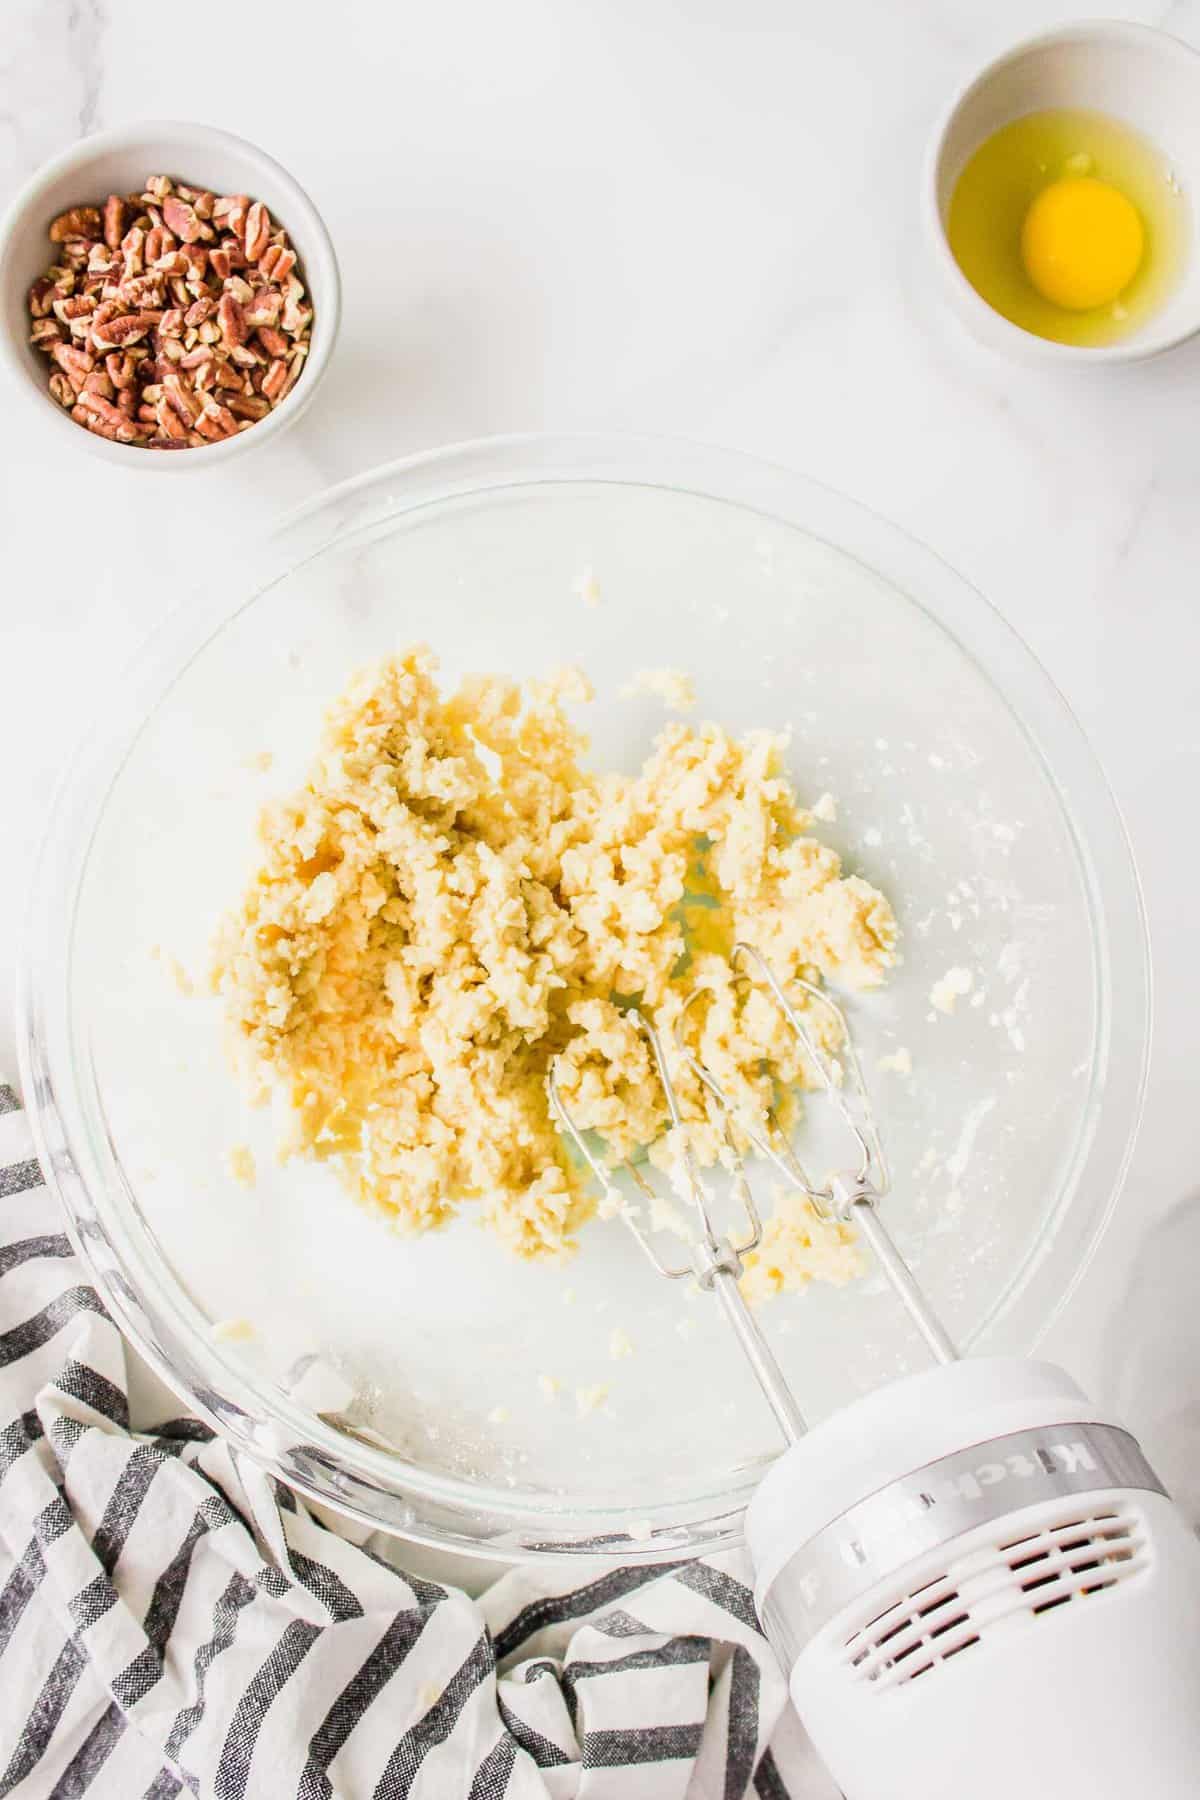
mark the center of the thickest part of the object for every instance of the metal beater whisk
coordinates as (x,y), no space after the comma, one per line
(851,1194)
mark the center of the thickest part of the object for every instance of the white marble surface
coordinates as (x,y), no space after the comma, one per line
(699,220)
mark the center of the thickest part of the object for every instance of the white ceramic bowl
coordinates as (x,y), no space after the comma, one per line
(1132,72)
(119,161)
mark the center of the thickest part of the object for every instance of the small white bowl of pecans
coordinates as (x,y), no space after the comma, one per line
(167,287)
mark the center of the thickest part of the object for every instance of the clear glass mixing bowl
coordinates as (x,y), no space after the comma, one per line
(399,1378)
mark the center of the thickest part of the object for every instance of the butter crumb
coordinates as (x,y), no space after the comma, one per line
(240,1162)
(499,1415)
(586,586)
(550,1385)
(175,969)
(232,1331)
(666,1216)
(899,1062)
(260,762)
(799,1246)
(590,1399)
(945,994)
(620,1344)
(674,687)
(826,809)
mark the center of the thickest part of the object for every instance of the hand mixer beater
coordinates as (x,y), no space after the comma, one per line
(977,1585)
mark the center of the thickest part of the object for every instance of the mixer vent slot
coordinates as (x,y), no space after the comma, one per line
(1002,1587)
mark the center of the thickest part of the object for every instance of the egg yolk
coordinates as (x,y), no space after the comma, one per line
(1082,243)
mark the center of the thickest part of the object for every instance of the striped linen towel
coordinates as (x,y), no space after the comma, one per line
(172,1618)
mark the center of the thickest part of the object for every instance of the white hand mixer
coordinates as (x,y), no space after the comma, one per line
(977,1586)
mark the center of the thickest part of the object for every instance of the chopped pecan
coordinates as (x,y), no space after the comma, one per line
(74,363)
(141,291)
(158,187)
(273,380)
(76,222)
(258,231)
(264,307)
(216,421)
(76,306)
(132,247)
(230,212)
(181,397)
(295,366)
(180,216)
(277,263)
(127,329)
(61,389)
(106,414)
(41,297)
(45,332)
(120,366)
(272,341)
(98,383)
(114,221)
(169,421)
(200,310)
(233,322)
(295,316)
(249,406)
(218,261)
(171,323)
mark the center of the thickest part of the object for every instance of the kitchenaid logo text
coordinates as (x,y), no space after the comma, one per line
(893,1515)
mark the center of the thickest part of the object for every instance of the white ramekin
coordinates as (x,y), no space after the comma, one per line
(119,161)
(1132,72)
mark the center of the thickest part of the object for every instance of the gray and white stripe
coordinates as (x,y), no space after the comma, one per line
(173,1622)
